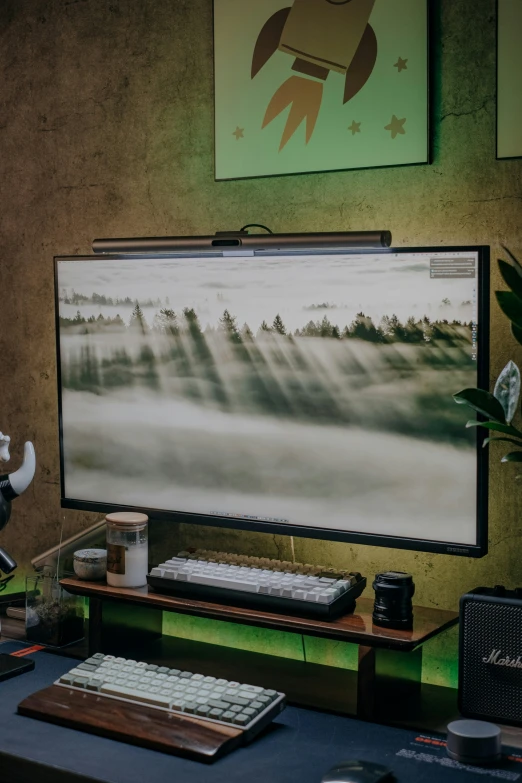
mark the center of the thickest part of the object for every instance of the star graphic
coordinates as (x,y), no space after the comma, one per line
(396,126)
(238,133)
(401,64)
(355,127)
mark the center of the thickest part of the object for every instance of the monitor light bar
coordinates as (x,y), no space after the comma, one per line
(365,240)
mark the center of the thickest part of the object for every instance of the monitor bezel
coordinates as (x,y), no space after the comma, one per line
(369,539)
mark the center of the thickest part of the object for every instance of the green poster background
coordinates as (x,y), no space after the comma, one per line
(244,149)
(509,79)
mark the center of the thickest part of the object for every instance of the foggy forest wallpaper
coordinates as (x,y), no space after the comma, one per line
(309,390)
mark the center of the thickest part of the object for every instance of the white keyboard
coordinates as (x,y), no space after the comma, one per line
(248,707)
(253,580)
(257,586)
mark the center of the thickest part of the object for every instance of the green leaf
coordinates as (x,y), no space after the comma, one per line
(517,333)
(507,440)
(506,429)
(513,456)
(510,306)
(512,278)
(507,388)
(481,401)
(516,262)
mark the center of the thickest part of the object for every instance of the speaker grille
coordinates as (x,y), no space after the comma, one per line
(489,689)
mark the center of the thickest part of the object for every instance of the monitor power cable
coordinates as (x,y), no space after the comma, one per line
(257,225)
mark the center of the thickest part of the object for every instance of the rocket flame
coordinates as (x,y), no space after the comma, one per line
(304,98)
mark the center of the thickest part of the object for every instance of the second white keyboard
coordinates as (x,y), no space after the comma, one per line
(254,585)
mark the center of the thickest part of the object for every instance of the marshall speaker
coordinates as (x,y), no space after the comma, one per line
(490,655)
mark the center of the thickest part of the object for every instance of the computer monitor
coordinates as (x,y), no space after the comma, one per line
(305,392)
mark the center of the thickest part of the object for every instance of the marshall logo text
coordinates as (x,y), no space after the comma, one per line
(496,658)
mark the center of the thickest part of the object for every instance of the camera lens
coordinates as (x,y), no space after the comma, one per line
(393,593)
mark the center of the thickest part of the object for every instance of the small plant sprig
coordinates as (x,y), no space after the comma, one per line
(500,407)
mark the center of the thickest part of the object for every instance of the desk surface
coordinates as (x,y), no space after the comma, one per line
(299,748)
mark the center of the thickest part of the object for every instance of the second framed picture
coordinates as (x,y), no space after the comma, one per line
(319,85)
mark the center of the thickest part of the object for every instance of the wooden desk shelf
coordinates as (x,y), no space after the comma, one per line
(390,661)
(356,628)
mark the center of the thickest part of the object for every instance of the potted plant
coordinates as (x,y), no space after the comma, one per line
(500,407)
(53,617)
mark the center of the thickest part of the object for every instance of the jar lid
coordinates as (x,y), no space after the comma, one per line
(130,519)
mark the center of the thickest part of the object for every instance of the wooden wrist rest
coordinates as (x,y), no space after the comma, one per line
(133,723)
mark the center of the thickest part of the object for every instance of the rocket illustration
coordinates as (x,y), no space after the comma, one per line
(322,36)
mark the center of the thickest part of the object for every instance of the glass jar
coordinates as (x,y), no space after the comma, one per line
(127,549)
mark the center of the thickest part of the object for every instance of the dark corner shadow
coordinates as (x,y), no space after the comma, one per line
(272,728)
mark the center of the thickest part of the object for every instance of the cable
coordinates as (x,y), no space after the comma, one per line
(257,225)
(4,581)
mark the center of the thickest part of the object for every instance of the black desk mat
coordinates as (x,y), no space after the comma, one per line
(300,747)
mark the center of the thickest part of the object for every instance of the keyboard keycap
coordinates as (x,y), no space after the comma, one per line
(234,700)
(218,704)
(324,598)
(80,682)
(67,679)
(241,720)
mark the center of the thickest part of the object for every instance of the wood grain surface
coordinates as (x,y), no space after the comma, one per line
(356,627)
(133,723)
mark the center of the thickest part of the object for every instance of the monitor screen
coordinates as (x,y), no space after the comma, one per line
(305,393)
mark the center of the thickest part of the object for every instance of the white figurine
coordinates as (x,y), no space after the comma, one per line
(13,484)
(5,440)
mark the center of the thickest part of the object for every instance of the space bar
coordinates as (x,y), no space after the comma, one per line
(215,581)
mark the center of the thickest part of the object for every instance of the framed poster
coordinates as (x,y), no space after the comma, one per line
(319,85)
(509,79)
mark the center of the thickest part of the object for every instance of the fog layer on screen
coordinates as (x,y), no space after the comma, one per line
(315,390)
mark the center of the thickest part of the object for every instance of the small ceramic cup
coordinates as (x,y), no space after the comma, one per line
(90,564)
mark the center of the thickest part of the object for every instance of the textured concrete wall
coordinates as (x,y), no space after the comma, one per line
(106,123)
